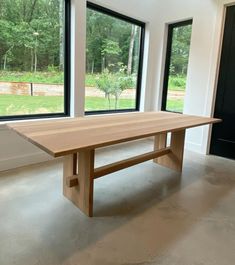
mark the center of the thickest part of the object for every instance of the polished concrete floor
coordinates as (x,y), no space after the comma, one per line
(144,215)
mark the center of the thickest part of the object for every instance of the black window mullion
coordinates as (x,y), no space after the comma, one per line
(171,28)
(117,15)
(67,82)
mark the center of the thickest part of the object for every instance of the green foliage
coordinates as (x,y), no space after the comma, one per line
(108,42)
(177,83)
(51,77)
(110,47)
(91,80)
(30,33)
(180,50)
(114,84)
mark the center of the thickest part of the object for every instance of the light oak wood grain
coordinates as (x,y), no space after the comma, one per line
(82,194)
(107,169)
(173,160)
(77,139)
(67,136)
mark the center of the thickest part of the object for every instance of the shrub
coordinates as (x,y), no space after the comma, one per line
(177,82)
(113,84)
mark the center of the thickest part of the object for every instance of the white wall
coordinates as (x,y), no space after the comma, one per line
(207,29)
(204,15)
(205,46)
(14,150)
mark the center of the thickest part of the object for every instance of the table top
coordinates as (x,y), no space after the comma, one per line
(69,135)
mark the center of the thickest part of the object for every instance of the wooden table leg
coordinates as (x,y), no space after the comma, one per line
(82,194)
(173,160)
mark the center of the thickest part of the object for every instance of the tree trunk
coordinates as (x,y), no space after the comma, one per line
(116,101)
(5,62)
(32,11)
(61,35)
(131,49)
(32,60)
(109,101)
(35,60)
(103,64)
(92,66)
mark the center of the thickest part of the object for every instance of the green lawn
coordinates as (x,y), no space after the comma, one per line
(175,105)
(17,105)
(95,103)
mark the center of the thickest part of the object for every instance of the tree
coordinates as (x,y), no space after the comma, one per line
(131,49)
(180,50)
(109,48)
(6,40)
(30,34)
(114,84)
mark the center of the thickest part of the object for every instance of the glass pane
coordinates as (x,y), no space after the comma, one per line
(178,68)
(31,57)
(113,50)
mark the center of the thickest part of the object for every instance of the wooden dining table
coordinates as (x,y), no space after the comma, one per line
(76,139)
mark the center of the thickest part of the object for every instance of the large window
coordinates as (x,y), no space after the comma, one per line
(34,58)
(178,45)
(114,61)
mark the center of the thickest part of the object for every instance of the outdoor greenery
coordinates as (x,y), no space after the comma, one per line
(31,34)
(50,77)
(112,55)
(176,83)
(32,105)
(114,84)
(111,43)
(32,50)
(19,105)
(180,50)
(178,67)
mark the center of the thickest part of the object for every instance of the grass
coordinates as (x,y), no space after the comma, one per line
(97,103)
(30,77)
(16,105)
(20,105)
(175,105)
(23,105)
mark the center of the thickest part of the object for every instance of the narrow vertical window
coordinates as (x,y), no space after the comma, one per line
(177,56)
(34,58)
(114,61)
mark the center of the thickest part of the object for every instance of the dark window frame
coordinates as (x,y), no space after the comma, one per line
(67,71)
(141,24)
(168,61)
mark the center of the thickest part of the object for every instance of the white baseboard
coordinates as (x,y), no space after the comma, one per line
(23,160)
